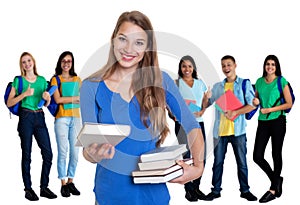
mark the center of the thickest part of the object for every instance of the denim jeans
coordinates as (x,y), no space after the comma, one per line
(66,131)
(240,150)
(33,124)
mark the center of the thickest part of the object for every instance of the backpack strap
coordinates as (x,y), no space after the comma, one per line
(244,88)
(20,87)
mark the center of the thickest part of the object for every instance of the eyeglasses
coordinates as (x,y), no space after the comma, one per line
(66,61)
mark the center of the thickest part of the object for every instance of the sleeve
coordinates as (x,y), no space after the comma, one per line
(283,82)
(177,105)
(88,106)
(53,81)
(15,84)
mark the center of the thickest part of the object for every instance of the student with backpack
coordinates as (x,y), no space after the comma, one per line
(67,121)
(32,123)
(228,131)
(271,123)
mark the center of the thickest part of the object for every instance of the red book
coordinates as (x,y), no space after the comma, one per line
(228,101)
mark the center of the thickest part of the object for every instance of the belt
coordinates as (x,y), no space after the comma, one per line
(28,110)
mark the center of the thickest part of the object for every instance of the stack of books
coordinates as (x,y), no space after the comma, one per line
(159,165)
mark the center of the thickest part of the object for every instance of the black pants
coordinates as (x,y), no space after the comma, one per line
(274,129)
(182,139)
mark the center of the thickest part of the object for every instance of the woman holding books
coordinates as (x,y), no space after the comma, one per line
(67,122)
(271,123)
(32,123)
(131,89)
(192,90)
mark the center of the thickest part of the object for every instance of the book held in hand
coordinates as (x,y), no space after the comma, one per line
(164,153)
(70,89)
(228,101)
(159,164)
(159,175)
(102,133)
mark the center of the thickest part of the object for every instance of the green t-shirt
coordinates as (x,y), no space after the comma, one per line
(39,86)
(268,94)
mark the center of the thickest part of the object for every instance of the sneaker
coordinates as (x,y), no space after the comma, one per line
(191,195)
(249,196)
(46,192)
(65,192)
(73,189)
(31,195)
(211,196)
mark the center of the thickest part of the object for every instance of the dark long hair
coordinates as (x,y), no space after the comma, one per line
(188,58)
(58,69)
(277,64)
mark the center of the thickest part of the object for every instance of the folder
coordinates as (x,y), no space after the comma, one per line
(228,101)
(70,89)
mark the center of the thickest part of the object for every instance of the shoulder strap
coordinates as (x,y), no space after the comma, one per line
(20,87)
(57,80)
(244,88)
(279,84)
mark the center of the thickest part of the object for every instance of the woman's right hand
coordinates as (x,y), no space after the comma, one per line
(95,152)
(29,91)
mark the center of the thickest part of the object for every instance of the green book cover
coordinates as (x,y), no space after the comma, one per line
(70,89)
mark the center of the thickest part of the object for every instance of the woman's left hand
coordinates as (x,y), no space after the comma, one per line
(189,172)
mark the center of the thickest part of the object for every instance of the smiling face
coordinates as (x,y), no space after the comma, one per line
(27,63)
(187,69)
(228,68)
(66,63)
(130,45)
(270,67)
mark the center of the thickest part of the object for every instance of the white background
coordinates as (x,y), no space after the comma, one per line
(248,30)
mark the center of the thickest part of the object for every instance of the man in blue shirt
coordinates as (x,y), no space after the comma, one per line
(228,131)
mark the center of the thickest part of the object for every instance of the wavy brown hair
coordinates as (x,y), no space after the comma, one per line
(146,81)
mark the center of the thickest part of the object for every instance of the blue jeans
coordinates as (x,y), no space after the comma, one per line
(33,123)
(240,150)
(66,131)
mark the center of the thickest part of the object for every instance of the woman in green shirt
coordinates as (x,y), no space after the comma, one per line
(271,123)
(32,123)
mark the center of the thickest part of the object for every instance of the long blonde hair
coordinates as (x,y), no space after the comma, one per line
(146,81)
(23,73)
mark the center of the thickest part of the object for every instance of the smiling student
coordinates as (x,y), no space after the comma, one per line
(32,123)
(228,131)
(131,89)
(271,124)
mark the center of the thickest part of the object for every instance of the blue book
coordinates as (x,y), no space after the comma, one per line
(194,108)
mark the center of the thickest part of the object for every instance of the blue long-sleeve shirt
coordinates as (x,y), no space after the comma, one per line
(101,105)
(240,122)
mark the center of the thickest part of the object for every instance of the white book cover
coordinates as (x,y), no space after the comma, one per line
(160,172)
(158,179)
(102,133)
(160,164)
(163,153)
